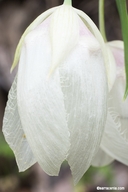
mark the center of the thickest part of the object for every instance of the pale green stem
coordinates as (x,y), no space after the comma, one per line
(67,2)
(101,19)
(122,8)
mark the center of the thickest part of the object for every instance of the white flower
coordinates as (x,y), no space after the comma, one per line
(114,143)
(57,104)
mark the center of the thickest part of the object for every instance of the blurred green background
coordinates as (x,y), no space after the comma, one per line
(15,16)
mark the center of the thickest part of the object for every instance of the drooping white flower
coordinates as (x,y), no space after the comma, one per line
(114,143)
(57,104)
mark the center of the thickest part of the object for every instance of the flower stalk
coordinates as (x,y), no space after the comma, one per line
(102,19)
(68,2)
(122,8)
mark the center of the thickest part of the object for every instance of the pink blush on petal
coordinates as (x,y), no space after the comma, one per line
(119,59)
(84,31)
(119,56)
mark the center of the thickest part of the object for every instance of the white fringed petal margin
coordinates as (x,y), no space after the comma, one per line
(41,102)
(14,134)
(84,87)
(101,159)
(115,139)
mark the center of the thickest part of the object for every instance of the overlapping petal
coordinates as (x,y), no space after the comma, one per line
(64,34)
(31,27)
(109,62)
(62,114)
(14,134)
(82,76)
(41,102)
(101,159)
(115,138)
(84,116)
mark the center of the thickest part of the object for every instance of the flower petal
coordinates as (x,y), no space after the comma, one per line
(117,45)
(115,139)
(31,27)
(118,104)
(64,34)
(117,48)
(111,68)
(14,134)
(84,85)
(109,63)
(116,129)
(101,159)
(40,102)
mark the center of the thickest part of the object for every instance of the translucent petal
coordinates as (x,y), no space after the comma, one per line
(31,27)
(64,33)
(117,48)
(109,64)
(83,82)
(101,159)
(115,142)
(118,45)
(40,102)
(119,106)
(14,133)
(112,67)
(115,139)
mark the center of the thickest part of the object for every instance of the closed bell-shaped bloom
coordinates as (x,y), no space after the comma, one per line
(57,105)
(114,144)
